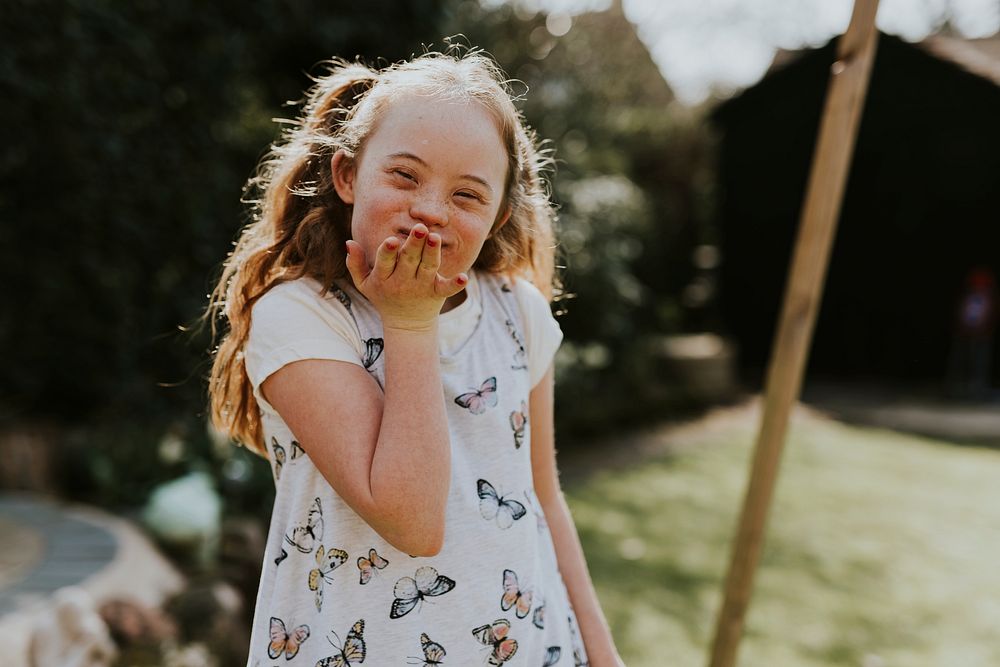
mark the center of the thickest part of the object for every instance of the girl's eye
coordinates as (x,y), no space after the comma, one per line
(403,174)
(469,195)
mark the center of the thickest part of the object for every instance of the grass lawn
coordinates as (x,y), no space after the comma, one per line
(883,549)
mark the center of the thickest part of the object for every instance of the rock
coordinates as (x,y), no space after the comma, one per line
(186,513)
(74,636)
(131,622)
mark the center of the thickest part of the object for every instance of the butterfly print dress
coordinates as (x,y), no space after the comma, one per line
(332,591)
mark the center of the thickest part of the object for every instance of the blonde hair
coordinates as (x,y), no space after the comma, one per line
(299,225)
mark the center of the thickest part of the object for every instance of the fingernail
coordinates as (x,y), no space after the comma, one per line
(432,242)
(419,233)
(462,279)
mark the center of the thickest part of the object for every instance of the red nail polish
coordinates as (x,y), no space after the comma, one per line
(462,279)
(432,242)
(419,233)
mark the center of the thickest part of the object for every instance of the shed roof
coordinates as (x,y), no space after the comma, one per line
(976,56)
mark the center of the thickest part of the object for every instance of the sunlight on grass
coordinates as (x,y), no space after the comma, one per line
(882,549)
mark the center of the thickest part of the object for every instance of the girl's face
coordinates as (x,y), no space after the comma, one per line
(433,161)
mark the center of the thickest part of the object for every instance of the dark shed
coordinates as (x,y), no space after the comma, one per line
(922,206)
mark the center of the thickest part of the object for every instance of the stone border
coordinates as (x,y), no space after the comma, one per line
(73,551)
(105,556)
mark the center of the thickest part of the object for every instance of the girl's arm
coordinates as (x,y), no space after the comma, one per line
(387,455)
(597,639)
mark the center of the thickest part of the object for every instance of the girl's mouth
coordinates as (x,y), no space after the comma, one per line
(404,234)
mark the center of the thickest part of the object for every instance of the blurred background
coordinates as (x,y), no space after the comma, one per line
(683,133)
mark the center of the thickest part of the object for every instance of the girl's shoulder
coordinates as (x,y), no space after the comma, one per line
(303,291)
(536,311)
(529,298)
(298,320)
(528,295)
(304,302)
(541,332)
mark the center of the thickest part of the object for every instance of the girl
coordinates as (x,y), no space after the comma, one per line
(390,351)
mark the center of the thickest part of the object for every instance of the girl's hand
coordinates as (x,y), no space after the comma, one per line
(404,284)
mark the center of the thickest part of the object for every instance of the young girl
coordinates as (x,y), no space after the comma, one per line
(390,352)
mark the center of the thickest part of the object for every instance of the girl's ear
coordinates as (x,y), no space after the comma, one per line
(342,168)
(501,220)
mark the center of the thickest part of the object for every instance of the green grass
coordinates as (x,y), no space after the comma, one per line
(882,548)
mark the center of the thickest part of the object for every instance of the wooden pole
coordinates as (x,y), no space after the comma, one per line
(834,148)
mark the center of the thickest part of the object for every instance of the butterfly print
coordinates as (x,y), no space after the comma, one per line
(326,562)
(518,420)
(552,655)
(538,617)
(342,297)
(520,354)
(495,636)
(283,556)
(494,506)
(279,457)
(409,591)
(513,596)
(433,652)
(536,510)
(370,565)
(578,650)
(279,454)
(352,652)
(373,350)
(504,287)
(285,642)
(478,400)
(305,536)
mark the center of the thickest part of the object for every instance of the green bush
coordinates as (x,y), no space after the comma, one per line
(633,185)
(133,127)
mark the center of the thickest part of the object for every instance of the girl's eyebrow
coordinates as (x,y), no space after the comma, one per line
(471,177)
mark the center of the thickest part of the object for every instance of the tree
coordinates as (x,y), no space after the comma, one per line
(132,128)
(632,182)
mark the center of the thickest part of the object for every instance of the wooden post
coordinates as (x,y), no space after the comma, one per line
(834,148)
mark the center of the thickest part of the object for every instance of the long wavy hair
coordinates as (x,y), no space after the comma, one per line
(298,224)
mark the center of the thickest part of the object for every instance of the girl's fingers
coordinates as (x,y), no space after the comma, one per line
(430,260)
(357,263)
(449,287)
(386,258)
(413,248)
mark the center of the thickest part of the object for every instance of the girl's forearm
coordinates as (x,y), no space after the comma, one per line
(597,638)
(411,464)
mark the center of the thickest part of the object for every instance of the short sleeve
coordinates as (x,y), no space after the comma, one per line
(292,322)
(542,333)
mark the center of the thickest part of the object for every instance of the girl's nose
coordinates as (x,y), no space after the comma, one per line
(430,210)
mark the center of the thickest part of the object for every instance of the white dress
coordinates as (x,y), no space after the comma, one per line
(332,591)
